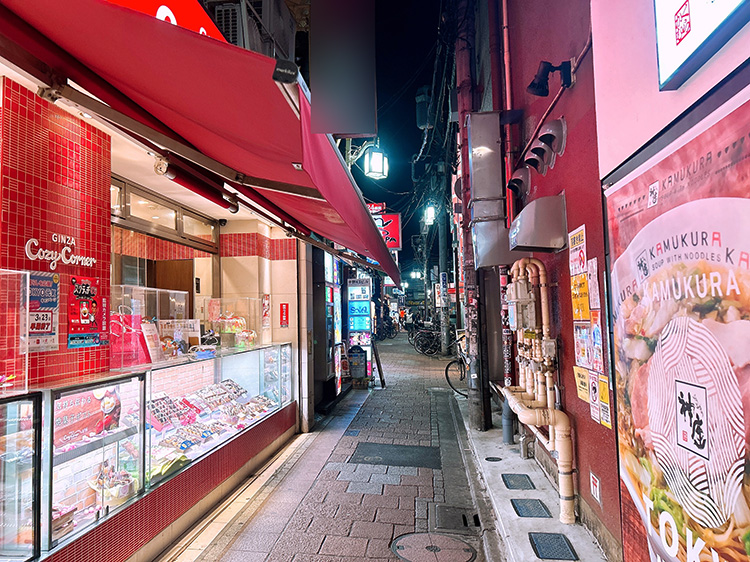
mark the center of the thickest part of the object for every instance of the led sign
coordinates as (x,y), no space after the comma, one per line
(689,32)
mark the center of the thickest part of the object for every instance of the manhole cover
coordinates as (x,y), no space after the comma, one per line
(492,459)
(432,547)
(396,455)
(518,482)
(552,546)
(530,508)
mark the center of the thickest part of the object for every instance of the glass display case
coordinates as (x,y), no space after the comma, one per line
(235,321)
(285,355)
(94,460)
(194,407)
(14,338)
(20,444)
(137,315)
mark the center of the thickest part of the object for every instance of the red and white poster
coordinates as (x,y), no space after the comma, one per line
(87,313)
(389,225)
(265,304)
(284,315)
(679,233)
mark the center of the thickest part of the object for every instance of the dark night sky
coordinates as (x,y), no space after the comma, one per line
(406,33)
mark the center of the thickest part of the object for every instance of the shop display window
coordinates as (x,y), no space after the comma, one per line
(20,439)
(235,321)
(14,339)
(96,465)
(135,338)
(285,368)
(194,407)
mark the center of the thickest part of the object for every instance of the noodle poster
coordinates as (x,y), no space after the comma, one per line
(679,231)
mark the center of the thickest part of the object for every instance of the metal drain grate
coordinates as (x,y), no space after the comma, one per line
(448,517)
(531,508)
(552,546)
(518,482)
(351,432)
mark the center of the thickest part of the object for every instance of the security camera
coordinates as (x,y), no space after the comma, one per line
(222,222)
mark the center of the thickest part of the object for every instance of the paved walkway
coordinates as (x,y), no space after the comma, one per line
(387,467)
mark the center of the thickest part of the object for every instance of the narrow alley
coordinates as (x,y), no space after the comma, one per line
(391,474)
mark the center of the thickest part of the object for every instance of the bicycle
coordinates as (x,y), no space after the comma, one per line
(458,367)
(427,342)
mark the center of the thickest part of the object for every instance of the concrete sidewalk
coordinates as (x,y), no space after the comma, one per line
(391,474)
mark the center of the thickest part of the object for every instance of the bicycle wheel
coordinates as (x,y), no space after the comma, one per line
(392,331)
(455,370)
(423,343)
(435,345)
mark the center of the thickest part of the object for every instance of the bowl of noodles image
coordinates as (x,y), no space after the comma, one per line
(682,361)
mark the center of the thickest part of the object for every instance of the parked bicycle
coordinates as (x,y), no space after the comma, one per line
(427,342)
(455,371)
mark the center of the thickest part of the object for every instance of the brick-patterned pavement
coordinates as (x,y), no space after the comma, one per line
(324,508)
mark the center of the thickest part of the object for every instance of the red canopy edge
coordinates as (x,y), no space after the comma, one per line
(219,98)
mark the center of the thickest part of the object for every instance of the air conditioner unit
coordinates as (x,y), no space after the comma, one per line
(263,26)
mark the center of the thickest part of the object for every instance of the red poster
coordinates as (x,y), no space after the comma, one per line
(389,226)
(680,240)
(87,313)
(284,315)
(85,414)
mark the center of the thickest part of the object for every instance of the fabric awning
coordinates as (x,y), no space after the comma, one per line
(222,100)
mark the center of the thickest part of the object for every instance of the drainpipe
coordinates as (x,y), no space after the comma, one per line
(563,446)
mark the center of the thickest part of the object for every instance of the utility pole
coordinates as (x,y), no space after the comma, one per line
(464,13)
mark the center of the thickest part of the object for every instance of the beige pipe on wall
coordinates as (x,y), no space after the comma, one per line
(536,417)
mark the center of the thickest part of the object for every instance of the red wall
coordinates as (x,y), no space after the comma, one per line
(254,244)
(557,31)
(55,174)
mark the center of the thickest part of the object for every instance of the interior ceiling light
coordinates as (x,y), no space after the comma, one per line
(540,84)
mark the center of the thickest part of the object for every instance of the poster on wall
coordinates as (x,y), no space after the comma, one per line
(579,294)
(577,250)
(596,343)
(680,268)
(582,383)
(44,311)
(87,313)
(582,343)
(265,304)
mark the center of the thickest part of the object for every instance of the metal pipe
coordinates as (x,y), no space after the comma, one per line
(563,446)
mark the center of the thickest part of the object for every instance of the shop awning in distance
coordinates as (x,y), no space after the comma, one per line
(222,100)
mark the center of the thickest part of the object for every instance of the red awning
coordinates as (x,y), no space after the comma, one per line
(222,100)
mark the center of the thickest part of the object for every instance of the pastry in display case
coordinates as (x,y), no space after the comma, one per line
(193,408)
(96,461)
(20,439)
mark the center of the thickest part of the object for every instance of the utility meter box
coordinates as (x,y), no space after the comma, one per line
(521,306)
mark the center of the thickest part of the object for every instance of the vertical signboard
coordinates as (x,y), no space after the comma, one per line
(680,269)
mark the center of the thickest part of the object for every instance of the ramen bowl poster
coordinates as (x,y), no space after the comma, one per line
(679,229)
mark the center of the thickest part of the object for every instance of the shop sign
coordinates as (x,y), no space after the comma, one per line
(680,273)
(389,226)
(376,208)
(87,313)
(65,255)
(183,13)
(689,33)
(284,315)
(44,311)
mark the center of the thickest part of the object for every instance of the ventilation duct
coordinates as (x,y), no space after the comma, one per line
(541,226)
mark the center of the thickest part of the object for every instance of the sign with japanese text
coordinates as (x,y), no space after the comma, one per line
(582,383)
(376,208)
(44,311)
(679,239)
(87,313)
(389,225)
(284,315)
(579,291)
(577,250)
(265,307)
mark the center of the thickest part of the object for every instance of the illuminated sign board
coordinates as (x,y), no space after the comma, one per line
(689,32)
(183,13)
